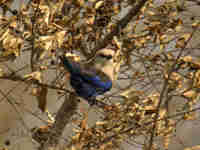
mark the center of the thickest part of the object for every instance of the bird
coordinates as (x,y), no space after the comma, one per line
(94,78)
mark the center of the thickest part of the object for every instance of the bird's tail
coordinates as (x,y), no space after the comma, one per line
(67,64)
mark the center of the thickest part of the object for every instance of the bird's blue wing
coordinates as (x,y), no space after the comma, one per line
(101,86)
(85,80)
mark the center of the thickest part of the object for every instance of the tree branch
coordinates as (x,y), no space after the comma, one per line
(63,116)
(120,25)
(27,81)
(165,90)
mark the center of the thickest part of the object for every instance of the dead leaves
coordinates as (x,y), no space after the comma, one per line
(10,43)
(34,75)
(159,28)
(1,72)
(6,4)
(99,4)
(196,147)
(131,94)
(48,43)
(182,41)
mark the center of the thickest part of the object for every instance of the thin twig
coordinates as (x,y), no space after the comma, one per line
(27,81)
(120,25)
(148,123)
(165,90)
(33,37)
(15,108)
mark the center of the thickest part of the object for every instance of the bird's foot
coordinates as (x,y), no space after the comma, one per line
(92,101)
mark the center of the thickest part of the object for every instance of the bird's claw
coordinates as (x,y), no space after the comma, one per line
(92,101)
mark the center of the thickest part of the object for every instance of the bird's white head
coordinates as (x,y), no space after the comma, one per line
(108,61)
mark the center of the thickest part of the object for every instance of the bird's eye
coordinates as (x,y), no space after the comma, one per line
(102,55)
(109,57)
(105,56)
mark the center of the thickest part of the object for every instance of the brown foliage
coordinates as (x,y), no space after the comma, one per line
(158,65)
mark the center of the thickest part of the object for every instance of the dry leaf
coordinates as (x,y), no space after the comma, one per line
(46,11)
(147,108)
(34,92)
(1,72)
(98,123)
(182,40)
(187,58)
(162,37)
(162,113)
(11,44)
(92,1)
(73,56)
(190,94)
(34,75)
(178,28)
(151,13)
(180,43)
(128,93)
(90,20)
(196,24)
(190,116)
(60,37)
(175,76)
(162,47)
(84,121)
(186,36)
(99,4)
(166,141)
(196,147)
(45,42)
(117,42)
(74,148)
(194,63)
(118,60)
(118,129)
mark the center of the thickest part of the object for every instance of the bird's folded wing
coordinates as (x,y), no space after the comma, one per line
(100,85)
(88,74)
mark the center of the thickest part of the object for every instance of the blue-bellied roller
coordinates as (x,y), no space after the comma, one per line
(94,78)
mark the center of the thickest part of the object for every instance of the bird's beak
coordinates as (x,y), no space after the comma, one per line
(117,61)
